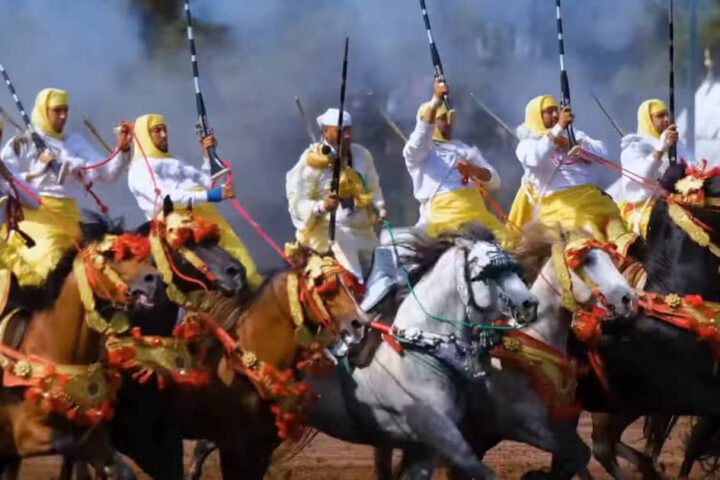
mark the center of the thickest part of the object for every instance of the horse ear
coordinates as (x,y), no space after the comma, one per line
(168,206)
(189,205)
(464,243)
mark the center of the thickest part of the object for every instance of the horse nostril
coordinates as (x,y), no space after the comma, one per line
(355,324)
(626,300)
(149,278)
(231,271)
(528,304)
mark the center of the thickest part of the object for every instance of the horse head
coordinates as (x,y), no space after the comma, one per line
(683,241)
(331,294)
(118,267)
(495,281)
(578,270)
(194,252)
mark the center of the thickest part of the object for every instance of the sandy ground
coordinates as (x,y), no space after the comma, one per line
(329,459)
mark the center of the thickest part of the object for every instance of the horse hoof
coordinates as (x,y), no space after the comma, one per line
(535,475)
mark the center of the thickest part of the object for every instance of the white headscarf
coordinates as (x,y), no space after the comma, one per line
(330,118)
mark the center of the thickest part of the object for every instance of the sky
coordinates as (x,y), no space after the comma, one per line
(118,62)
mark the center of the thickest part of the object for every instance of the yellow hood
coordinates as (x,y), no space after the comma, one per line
(442,110)
(142,136)
(533,113)
(644,116)
(48,98)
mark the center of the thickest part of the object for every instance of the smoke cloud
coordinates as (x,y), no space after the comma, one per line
(120,59)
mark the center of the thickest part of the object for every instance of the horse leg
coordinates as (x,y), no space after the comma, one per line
(656,430)
(607,429)
(10,468)
(382,458)
(66,470)
(202,450)
(440,433)
(418,463)
(570,454)
(700,437)
(644,463)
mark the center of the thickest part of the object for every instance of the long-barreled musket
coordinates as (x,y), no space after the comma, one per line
(335,185)
(494,116)
(437,63)
(306,122)
(217,167)
(672,152)
(564,82)
(94,132)
(390,122)
(608,116)
(54,166)
(10,120)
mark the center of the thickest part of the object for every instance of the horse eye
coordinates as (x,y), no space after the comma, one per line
(589,259)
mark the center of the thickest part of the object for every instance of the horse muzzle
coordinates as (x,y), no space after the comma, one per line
(143,294)
(623,305)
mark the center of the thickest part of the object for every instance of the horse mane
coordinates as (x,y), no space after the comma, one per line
(39,298)
(536,243)
(424,252)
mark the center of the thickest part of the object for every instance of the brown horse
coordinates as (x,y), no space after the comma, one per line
(55,392)
(233,412)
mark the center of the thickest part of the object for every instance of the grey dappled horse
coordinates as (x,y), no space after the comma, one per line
(418,399)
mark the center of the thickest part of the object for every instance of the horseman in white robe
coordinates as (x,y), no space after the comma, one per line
(559,188)
(645,154)
(54,226)
(359,205)
(183,184)
(437,164)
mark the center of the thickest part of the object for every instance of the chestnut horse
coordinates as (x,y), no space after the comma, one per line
(55,392)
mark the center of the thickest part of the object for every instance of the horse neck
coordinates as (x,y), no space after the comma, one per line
(675,262)
(60,333)
(437,294)
(266,328)
(553,323)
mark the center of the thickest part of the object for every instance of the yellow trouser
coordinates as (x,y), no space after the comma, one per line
(230,242)
(54,226)
(521,211)
(583,207)
(448,211)
(637,215)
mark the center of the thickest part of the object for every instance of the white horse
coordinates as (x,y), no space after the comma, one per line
(505,406)
(417,399)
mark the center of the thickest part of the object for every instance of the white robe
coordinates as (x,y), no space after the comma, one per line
(549,169)
(432,166)
(355,238)
(20,155)
(182,182)
(638,157)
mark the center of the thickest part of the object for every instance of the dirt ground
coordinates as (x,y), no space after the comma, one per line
(329,459)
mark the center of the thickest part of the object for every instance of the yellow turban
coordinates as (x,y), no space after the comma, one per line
(46,99)
(442,110)
(644,116)
(142,136)
(533,113)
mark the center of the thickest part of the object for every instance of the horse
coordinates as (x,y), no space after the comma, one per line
(191,260)
(301,309)
(55,393)
(520,400)
(649,365)
(462,283)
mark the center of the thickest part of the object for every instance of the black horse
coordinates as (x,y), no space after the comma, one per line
(653,367)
